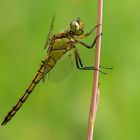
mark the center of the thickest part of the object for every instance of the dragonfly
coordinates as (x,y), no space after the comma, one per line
(57,45)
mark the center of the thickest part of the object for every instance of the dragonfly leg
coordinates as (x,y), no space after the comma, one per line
(89,33)
(106,67)
(80,65)
(88,46)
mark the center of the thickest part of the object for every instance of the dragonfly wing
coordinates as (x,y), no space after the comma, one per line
(50,33)
(46,69)
(62,68)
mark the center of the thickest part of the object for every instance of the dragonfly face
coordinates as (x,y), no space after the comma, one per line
(77,27)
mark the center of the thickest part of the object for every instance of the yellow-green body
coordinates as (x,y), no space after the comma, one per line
(56,49)
(57,45)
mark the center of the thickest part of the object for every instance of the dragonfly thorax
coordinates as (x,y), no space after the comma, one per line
(77,27)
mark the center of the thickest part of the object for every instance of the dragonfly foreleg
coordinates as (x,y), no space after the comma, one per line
(88,46)
(80,65)
(89,33)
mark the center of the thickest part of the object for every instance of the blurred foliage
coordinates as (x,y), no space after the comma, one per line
(60,111)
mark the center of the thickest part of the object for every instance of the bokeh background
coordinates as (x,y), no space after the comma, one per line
(60,110)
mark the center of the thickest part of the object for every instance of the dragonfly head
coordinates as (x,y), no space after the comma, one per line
(77,27)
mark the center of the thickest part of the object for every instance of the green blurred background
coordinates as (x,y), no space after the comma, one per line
(60,111)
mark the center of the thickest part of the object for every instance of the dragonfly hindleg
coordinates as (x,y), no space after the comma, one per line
(80,65)
(106,67)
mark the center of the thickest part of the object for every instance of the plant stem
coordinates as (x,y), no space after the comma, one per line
(95,89)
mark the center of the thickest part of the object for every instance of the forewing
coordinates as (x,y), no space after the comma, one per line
(50,33)
(62,68)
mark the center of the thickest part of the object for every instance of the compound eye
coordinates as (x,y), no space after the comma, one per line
(74,25)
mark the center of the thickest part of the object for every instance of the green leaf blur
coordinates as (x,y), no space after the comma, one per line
(60,111)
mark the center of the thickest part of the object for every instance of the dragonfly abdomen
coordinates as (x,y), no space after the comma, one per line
(29,90)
